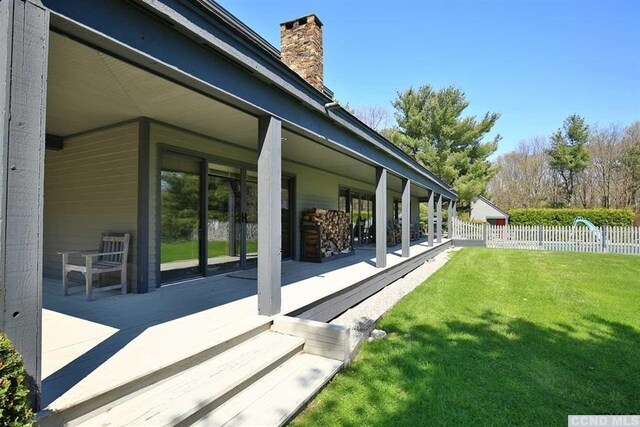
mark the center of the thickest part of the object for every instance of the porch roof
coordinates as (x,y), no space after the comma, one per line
(189,51)
(90,92)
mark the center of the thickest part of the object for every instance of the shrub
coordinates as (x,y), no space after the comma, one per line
(15,406)
(613,217)
(466,217)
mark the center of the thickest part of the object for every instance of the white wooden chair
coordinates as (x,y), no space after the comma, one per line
(112,256)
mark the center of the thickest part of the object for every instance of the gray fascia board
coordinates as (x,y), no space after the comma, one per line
(307,93)
(342,117)
(253,38)
(239,26)
(159,47)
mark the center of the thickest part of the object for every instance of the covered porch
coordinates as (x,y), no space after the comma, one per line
(168,168)
(90,347)
(117,121)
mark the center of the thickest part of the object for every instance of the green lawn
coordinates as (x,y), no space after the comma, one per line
(500,337)
(185,250)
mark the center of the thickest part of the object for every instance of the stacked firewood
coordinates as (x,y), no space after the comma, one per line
(335,230)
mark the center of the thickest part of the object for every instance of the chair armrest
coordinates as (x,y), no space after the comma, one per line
(87,255)
(77,252)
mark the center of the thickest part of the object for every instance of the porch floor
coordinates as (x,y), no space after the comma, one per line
(85,344)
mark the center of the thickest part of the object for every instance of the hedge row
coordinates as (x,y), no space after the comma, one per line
(613,217)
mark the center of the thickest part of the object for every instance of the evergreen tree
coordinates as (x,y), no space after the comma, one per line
(568,156)
(180,205)
(432,130)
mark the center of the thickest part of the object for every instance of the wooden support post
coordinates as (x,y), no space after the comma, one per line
(269,223)
(406,217)
(381,217)
(141,281)
(430,219)
(439,220)
(24,39)
(450,218)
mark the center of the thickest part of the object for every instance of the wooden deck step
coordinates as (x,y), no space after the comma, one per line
(196,391)
(278,396)
(131,371)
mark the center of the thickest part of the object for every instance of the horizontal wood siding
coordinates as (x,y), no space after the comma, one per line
(91,187)
(318,188)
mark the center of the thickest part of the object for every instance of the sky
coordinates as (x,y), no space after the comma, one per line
(533,61)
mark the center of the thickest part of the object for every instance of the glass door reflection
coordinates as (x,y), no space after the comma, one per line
(286,210)
(251,218)
(180,217)
(356,219)
(224,218)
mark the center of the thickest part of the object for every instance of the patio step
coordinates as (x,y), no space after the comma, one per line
(132,371)
(277,397)
(190,394)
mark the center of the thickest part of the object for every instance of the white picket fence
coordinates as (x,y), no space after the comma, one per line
(467,230)
(620,240)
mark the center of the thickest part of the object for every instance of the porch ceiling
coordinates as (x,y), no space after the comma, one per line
(302,150)
(88,89)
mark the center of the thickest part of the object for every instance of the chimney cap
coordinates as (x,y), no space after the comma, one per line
(302,20)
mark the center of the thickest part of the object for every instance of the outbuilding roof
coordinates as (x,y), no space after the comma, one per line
(490,203)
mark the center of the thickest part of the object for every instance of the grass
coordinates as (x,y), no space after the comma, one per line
(185,250)
(499,337)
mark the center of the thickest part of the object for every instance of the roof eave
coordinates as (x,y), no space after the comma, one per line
(229,19)
(216,11)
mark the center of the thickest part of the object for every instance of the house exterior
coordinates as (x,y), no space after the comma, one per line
(176,123)
(483,210)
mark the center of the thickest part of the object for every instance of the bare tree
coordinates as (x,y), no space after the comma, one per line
(611,179)
(374,116)
(524,178)
(605,150)
(631,165)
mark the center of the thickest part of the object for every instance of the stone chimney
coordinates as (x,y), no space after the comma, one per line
(301,48)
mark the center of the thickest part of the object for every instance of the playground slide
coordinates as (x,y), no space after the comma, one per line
(595,230)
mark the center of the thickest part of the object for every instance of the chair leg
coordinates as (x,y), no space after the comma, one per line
(65,279)
(89,280)
(123,280)
(65,283)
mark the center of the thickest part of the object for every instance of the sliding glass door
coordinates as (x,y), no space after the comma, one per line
(224,218)
(286,206)
(180,232)
(360,206)
(209,217)
(251,218)
(367,216)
